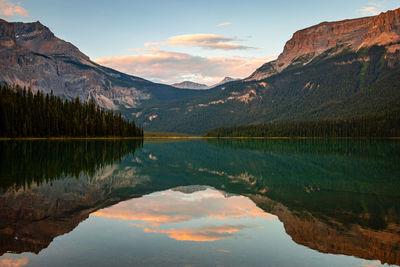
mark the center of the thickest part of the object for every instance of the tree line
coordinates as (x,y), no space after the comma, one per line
(383,125)
(27,114)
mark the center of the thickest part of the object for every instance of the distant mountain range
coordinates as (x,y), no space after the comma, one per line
(332,70)
(190,85)
(199,86)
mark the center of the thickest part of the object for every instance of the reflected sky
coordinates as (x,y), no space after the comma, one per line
(206,215)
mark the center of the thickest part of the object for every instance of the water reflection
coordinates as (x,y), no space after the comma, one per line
(337,197)
(55,186)
(170,212)
(23,163)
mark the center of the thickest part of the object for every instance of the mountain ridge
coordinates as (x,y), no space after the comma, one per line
(308,43)
(199,86)
(190,85)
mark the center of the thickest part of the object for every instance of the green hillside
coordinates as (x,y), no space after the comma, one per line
(339,84)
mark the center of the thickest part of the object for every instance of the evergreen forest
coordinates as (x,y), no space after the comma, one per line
(24,113)
(386,124)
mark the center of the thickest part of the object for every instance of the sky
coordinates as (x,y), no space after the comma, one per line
(171,41)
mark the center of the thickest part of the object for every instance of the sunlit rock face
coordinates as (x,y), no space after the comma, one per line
(354,34)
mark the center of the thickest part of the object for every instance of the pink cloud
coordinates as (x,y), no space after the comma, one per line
(369,10)
(8,9)
(207,41)
(170,67)
(372,9)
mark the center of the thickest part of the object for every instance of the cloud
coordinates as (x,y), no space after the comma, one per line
(137,49)
(170,67)
(207,41)
(371,10)
(8,9)
(224,24)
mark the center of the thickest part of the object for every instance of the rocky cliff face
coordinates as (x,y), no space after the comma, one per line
(37,38)
(354,34)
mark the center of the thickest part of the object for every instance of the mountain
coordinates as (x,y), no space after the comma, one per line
(199,86)
(334,70)
(355,34)
(32,56)
(190,85)
(224,81)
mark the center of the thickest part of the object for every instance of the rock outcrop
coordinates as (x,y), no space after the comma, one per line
(354,34)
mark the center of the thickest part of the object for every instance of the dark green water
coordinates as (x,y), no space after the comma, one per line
(200,203)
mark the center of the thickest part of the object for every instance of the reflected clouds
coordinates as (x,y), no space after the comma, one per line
(203,234)
(10,262)
(178,215)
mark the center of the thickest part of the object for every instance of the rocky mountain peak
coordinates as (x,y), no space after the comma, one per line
(228,79)
(36,37)
(7,35)
(306,44)
(190,85)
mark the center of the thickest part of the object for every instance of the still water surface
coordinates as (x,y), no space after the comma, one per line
(200,203)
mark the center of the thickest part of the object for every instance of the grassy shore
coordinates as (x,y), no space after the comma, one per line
(168,135)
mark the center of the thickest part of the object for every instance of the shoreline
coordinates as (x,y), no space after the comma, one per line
(182,137)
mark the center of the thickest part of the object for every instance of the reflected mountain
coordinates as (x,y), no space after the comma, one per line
(56,185)
(338,197)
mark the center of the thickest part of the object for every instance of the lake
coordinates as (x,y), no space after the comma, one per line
(209,202)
